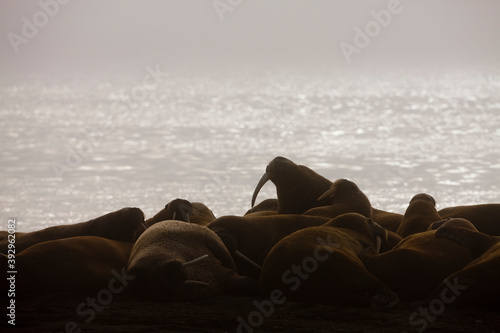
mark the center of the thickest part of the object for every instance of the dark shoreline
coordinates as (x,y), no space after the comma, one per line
(52,313)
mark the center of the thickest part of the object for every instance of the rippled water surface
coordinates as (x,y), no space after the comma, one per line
(75,150)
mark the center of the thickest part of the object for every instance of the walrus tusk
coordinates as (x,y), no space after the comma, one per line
(265,178)
(195,283)
(327,194)
(187,218)
(195,261)
(144,225)
(248,260)
(173,215)
(379,243)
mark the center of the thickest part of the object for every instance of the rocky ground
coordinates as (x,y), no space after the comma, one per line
(58,313)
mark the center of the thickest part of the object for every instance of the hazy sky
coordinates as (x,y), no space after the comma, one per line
(96,36)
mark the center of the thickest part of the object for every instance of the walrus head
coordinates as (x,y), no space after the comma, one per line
(297,186)
(178,209)
(266,205)
(168,278)
(338,189)
(423,196)
(372,234)
(174,260)
(121,225)
(465,233)
(437,224)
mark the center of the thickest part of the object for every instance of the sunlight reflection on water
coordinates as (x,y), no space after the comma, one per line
(210,139)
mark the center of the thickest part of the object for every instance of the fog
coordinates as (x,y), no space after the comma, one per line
(119,37)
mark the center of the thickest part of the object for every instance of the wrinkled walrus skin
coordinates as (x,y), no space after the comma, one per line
(179,261)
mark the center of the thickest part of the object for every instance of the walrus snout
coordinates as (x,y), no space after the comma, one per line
(134,212)
(179,209)
(168,276)
(379,232)
(337,187)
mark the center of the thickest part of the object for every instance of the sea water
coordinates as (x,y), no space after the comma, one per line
(74,149)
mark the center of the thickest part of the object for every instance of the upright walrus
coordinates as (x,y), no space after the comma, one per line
(419,215)
(120,225)
(298,187)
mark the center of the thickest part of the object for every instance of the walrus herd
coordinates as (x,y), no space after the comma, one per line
(318,242)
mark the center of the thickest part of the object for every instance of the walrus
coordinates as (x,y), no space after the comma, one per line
(180,210)
(250,238)
(178,261)
(183,210)
(475,285)
(419,215)
(485,217)
(298,187)
(345,197)
(81,264)
(323,264)
(120,225)
(418,264)
(266,207)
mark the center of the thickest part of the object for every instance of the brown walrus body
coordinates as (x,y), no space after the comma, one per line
(324,265)
(418,264)
(82,264)
(178,261)
(477,284)
(120,225)
(486,217)
(253,237)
